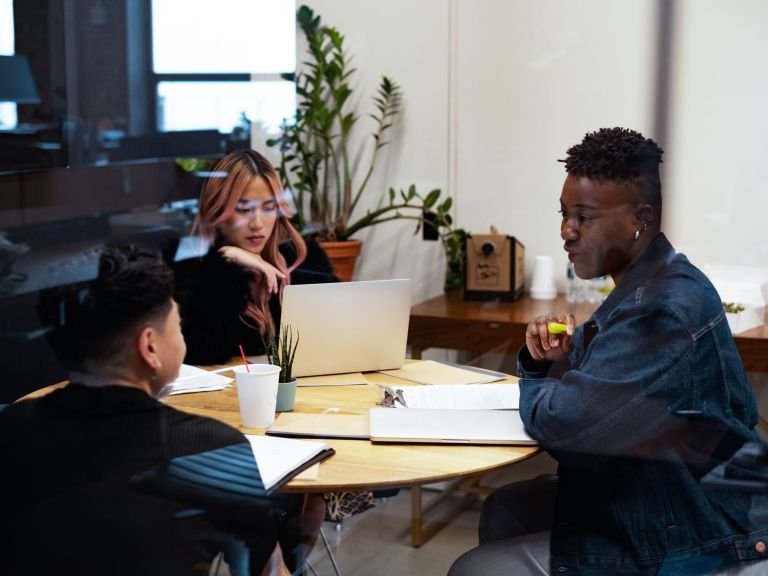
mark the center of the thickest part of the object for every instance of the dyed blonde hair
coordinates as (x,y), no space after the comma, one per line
(218,200)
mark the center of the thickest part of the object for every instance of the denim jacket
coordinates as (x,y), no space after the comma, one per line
(652,396)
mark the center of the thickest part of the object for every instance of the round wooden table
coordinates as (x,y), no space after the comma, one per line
(360,464)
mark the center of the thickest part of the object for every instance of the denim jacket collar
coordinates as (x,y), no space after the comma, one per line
(655,256)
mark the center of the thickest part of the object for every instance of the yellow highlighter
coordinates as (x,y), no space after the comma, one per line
(557,328)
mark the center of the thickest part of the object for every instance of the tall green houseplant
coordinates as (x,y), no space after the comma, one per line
(316,163)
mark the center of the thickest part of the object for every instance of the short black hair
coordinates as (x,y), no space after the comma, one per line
(619,155)
(93,322)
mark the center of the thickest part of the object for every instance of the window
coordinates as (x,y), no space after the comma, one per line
(213,67)
(8,115)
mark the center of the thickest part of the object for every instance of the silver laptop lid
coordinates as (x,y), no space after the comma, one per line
(348,326)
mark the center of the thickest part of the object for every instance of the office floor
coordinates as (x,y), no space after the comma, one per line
(377,542)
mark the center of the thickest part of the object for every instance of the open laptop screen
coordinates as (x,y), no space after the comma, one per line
(348,326)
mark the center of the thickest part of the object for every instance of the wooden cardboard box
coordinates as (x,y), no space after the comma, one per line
(495,267)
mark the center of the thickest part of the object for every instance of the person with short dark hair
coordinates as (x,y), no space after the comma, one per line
(636,405)
(71,458)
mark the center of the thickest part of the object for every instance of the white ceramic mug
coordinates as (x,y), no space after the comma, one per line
(257,392)
(543,282)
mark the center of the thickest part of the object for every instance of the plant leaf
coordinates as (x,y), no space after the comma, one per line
(431,198)
(445,205)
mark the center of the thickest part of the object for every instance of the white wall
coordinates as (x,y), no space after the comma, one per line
(716,191)
(407,41)
(497,90)
(533,78)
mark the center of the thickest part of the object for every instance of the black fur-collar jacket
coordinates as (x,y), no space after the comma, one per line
(212,294)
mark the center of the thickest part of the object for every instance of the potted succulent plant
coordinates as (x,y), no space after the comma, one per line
(281,350)
(316,163)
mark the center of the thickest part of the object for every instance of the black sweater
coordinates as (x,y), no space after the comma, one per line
(71,507)
(212,294)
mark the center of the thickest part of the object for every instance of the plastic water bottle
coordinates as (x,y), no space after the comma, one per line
(574,290)
(597,289)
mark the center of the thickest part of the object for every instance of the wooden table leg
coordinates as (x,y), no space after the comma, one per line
(421,531)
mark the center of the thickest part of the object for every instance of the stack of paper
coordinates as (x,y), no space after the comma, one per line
(192,379)
(462,397)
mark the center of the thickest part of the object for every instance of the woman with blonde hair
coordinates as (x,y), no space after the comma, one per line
(231,296)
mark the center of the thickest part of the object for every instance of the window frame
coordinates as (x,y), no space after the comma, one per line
(156,78)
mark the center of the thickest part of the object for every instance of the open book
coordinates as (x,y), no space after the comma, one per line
(454,414)
(448,426)
(280,459)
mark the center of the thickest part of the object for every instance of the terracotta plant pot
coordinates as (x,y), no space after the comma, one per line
(343,256)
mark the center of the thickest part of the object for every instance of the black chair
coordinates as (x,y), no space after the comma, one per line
(224,484)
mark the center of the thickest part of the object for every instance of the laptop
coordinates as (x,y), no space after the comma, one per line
(348,326)
(448,426)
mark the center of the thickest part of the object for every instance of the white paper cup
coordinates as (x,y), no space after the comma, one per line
(543,281)
(257,391)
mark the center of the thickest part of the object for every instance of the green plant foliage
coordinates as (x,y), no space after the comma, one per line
(455,245)
(733,308)
(194,164)
(281,350)
(316,163)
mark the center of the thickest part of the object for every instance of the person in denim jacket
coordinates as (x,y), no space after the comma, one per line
(636,405)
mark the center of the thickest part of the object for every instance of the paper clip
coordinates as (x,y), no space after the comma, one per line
(390,396)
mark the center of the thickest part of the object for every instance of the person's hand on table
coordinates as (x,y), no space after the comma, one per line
(546,346)
(255,263)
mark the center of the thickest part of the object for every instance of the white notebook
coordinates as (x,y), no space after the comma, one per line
(280,459)
(448,426)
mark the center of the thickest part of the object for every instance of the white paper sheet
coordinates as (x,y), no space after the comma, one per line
(278,457)
(193,379)
(463,397)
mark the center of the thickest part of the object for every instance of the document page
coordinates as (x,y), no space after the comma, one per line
(463,397)
(280,459)
(193,379)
